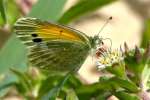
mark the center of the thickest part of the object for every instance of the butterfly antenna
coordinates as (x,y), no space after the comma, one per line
(110,18)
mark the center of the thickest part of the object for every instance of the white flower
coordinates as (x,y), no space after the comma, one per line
(108,58)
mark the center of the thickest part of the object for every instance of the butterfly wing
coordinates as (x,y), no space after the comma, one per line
(52,46)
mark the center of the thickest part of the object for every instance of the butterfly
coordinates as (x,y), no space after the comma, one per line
(52,46)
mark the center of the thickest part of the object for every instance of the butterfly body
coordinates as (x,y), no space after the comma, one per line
(52,46)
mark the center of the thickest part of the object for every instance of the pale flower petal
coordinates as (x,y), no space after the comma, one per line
(109,58)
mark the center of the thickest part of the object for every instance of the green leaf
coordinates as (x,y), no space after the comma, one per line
(48,9)
(48,84)
(71,95)
(12,56)
(6,83)
(53,93)
(146,34)
(118,70)
(136,68)
(132,65)
(24,81)
(128,85)
(103,95)
(11,12)
(82,8)
(108,86)
(74,82)
(126,96)
(3,11)
(146,77)
(4,86)
(85,92)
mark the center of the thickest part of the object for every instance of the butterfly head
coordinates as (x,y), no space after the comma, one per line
(96,41)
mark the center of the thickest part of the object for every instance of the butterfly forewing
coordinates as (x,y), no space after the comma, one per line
(27,27)
(52,46)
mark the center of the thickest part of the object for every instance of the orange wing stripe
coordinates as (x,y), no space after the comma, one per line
(51,31)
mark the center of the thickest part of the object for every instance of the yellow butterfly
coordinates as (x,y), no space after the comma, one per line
(52,46)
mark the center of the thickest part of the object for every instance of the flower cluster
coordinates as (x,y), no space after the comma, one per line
(108,58)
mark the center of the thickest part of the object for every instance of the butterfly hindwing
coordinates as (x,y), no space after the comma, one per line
(52,46)
(59,55)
